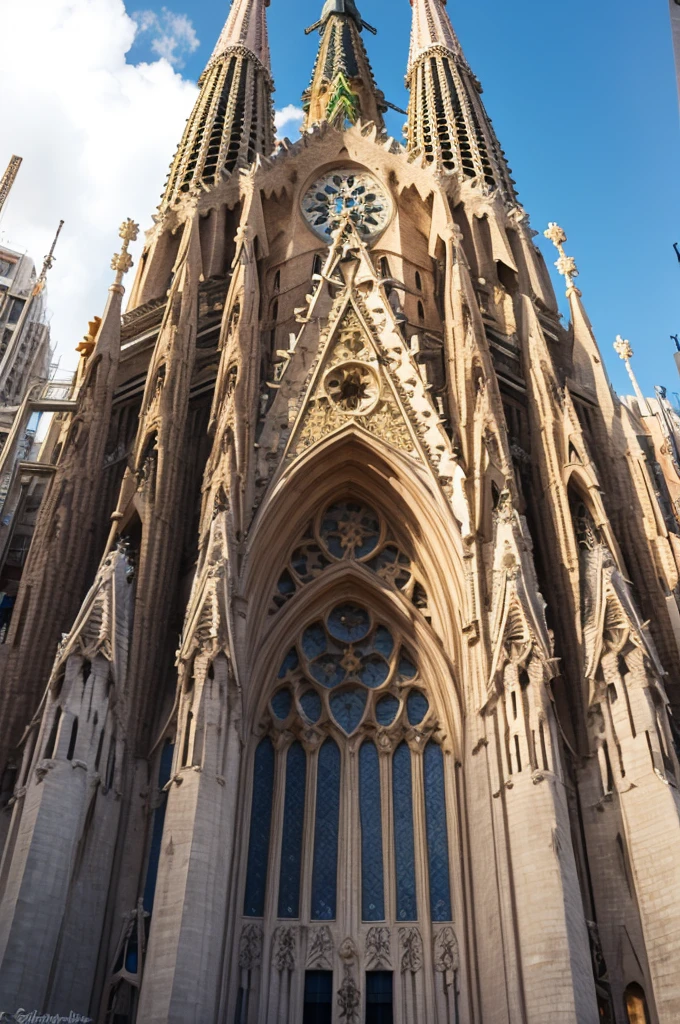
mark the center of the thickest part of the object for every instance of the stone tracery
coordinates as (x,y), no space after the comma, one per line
(346,531)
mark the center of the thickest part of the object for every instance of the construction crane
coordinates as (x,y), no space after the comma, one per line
(8,179)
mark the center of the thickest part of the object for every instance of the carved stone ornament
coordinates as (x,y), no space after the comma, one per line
(349,997)
(320,955)
(285,949)
(411,945)
(446,956)
(378,949)
(250,947)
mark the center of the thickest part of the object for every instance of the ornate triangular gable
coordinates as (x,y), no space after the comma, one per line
(355,372)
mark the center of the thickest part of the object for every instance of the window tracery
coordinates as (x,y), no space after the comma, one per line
(349,531)
(350,684)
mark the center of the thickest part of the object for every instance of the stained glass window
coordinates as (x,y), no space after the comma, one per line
(293,825)
(417,707)
(386,710)
(281,704)
(164,773)
(404,848)
(349,530)
(437,836)
(348,708)
(372,876)
(260,829)
(325,872)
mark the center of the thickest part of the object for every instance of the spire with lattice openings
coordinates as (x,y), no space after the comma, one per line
(233,119)
(447,122)
(343,89)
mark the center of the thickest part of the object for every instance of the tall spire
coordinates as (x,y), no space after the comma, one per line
(233,119)
(447,121)
(343,88)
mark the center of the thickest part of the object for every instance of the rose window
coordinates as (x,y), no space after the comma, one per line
(331,197)
(354,387)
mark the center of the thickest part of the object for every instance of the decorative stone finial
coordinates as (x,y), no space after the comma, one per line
(623,348)
(122,261)
(566,265)
(624,351)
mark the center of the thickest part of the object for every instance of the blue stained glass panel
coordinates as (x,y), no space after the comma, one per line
(325,871)
(417,706)
(386,710)
(293,825)
(349,623)
(328,670)
(437,835)
(348,708)
(310,702)
(404,849)
(383,642)
(282,703)
(374,671)
(260,829)
(290,663)
(407,669)
(372,874)
(314,641)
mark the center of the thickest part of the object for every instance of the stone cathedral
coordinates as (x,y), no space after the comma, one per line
(340,685)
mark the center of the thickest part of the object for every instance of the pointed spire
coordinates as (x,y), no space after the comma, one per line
(233,119)
(247,27)
(343,89)
(447,122)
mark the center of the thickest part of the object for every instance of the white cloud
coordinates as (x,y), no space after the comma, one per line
(289,115)
(172,35)
(97,135)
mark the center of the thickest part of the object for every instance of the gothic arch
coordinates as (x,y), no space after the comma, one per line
(350,583)
(353,463)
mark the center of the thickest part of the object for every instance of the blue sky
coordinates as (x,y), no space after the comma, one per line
(583,98)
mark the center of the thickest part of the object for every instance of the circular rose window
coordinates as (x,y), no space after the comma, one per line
(327,200)
(354,387)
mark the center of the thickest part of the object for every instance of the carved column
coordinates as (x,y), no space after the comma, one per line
(190,908)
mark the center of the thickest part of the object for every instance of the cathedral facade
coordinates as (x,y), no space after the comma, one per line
(340,685)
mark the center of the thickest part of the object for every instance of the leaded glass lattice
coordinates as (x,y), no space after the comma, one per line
(325,872)
(260,829)
(437,835)
(404,846)
(372,873)
(293,827)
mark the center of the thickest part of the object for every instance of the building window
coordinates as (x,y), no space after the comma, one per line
(350,776)
(318,1008)
(260,829)
(636,1005)
(379,997)
(372,875)
(325,876)
(404,847)
(293,825)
